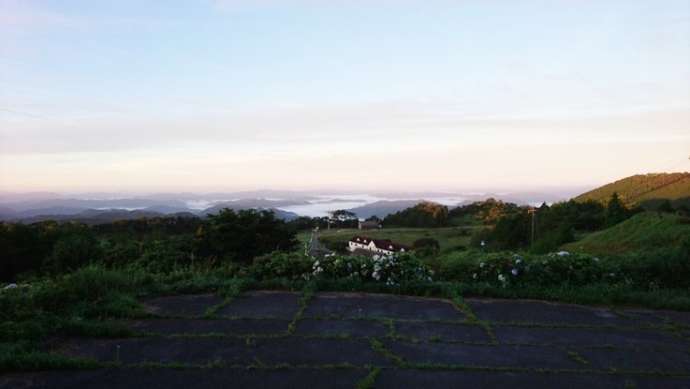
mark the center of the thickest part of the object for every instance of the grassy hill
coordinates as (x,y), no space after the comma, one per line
(645,189)
(647,230)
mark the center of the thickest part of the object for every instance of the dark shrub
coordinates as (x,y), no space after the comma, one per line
(426,247)
(73,251)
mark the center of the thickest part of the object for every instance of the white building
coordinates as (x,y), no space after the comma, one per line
(375,246)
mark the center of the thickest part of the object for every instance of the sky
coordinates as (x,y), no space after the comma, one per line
(362,95)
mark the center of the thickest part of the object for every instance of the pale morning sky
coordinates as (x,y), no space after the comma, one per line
(436,95)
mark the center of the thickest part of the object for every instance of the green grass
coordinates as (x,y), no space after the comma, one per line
(644,231)
(449,238)
(19,356)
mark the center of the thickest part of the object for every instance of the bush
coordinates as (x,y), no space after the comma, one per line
(391,270)
(426,247)
(292,266)
(73,251)
(165,255)
(661,269)
(553,239)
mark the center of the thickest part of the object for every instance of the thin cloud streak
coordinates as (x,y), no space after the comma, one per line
(355,126)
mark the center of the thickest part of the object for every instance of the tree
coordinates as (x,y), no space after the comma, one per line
(241,236)
(512,231)
(486,212)
(373,218)
(343,215)
(22,248)
(303,223)
(590,215)
(616,211)
(73,251)
(425,214)
(553,239)
(344,219)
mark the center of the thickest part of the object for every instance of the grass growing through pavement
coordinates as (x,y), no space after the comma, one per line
(459,303)
(307,294)
(230,291)
(380,348)
(370,379)
(89,301)
(575,356)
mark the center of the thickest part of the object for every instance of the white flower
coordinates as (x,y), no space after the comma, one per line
(481,264)
(519,261)
(474,276)
(514,272)
(502,278)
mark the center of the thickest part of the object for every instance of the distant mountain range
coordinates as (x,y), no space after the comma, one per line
(101,216)
(646,190)
(288,205)
(105,211)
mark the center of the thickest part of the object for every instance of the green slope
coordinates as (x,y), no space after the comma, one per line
(644,231)
(639,189)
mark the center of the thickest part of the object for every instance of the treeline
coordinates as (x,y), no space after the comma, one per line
(228,236)
(546,228)
(423,215)
(431,215)
(510,226)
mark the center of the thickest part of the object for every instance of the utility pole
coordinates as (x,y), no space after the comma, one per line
(533,212)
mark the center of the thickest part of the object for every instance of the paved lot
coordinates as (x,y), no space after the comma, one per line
(286,340)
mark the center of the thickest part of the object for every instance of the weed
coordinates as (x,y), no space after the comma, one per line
(368,381)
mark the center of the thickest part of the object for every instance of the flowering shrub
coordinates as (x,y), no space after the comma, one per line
(574,269)
(648,271)
(391,270)
(502,270)
(506,269)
